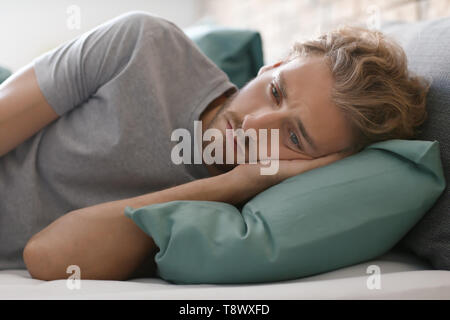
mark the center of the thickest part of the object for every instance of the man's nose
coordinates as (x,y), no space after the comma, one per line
(263,120)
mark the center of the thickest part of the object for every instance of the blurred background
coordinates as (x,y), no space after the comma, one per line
(30,28)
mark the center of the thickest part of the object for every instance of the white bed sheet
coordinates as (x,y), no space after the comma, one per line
(403,276)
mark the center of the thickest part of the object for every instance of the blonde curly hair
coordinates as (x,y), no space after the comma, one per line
(372,84)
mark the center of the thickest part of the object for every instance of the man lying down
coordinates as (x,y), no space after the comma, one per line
(86,130)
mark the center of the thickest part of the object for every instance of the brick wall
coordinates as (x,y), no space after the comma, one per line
(281,22)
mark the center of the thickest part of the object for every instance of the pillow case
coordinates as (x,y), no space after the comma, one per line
(347,212)
(427,46)
(237,52)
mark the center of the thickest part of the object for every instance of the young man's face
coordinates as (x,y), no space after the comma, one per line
(261,105)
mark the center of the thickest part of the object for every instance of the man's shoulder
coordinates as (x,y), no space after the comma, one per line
(144,20)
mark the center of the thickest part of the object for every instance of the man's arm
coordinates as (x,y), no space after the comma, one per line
(106,244)
(23,109)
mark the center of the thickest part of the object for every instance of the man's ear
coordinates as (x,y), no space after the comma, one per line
(266,68)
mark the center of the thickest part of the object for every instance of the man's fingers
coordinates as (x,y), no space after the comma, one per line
(328,159)
(293,167)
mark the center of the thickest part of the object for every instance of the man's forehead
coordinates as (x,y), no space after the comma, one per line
(308,79)
(305,65)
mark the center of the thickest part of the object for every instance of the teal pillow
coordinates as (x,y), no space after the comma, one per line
(237,52)
(4,74)
(350,211)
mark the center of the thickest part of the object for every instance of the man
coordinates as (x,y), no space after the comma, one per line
(85,131)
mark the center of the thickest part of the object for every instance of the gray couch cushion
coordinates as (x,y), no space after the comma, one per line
(427,46)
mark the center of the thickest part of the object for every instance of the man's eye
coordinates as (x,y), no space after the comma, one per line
(294,140)
(275,93)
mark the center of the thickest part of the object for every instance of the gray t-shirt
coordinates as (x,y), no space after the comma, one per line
(120,89)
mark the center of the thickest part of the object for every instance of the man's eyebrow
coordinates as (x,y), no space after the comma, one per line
(282,84)
(305,134)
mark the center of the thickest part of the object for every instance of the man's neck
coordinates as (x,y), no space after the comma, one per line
(211,110)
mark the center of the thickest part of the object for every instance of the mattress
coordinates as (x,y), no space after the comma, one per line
(402,276)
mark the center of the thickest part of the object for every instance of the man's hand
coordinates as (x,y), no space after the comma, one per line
(250,174)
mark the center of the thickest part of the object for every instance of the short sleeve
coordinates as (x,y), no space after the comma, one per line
(69,74)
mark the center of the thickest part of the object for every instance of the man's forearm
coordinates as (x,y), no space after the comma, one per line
(224,188)
(106,244)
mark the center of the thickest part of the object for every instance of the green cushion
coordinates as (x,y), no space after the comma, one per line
(4,74)
(237,52)
(350,211)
